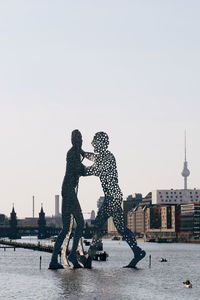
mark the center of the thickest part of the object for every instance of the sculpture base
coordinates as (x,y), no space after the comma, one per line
(55,266)
(88,263)
(73,259)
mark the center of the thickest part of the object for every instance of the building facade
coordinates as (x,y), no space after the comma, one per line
(177,196)
(161,223)
(189,222)
(130,203)
(136,220)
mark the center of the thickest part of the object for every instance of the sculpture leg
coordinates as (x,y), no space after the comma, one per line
(128,235)
(101,218)
(57,247)
(65,248)
(82,254)
(80,247)
(77,235)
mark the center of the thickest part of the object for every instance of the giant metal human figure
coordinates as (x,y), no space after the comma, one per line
(70,203)
(105,168)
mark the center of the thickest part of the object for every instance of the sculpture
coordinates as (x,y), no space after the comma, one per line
(70,203)
(105,168)
(65,248)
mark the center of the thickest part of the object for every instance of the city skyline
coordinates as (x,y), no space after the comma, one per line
(58,198)
(130,69)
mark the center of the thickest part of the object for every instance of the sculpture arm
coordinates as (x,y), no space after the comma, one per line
(88,155)
(93,170)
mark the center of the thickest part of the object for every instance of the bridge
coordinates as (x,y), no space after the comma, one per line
(19,231)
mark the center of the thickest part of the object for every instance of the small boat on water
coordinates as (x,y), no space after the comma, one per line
(163,259)
(187,284)
(115,238)
(101,256)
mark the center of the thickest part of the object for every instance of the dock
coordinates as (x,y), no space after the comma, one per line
(6,244)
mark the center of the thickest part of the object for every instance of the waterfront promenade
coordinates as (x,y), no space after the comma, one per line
(21,277)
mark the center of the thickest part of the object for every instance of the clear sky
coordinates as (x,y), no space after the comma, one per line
(130,68)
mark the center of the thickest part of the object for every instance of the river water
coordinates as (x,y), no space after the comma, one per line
(21,277)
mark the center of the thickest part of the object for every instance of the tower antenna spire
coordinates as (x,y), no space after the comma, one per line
(185,173)
(185,146)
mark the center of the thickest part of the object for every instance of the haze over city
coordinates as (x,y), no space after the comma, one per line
(129,68)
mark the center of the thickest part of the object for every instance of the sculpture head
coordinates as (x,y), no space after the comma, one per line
(100,142)
(76,138)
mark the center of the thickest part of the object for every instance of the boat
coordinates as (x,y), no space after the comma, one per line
(187,284)
(116,238)
(102,256)
(163,259)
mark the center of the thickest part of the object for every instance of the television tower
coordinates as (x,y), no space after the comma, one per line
(185,173)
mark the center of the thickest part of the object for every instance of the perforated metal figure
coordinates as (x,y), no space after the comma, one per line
(70,203)
(105,168)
